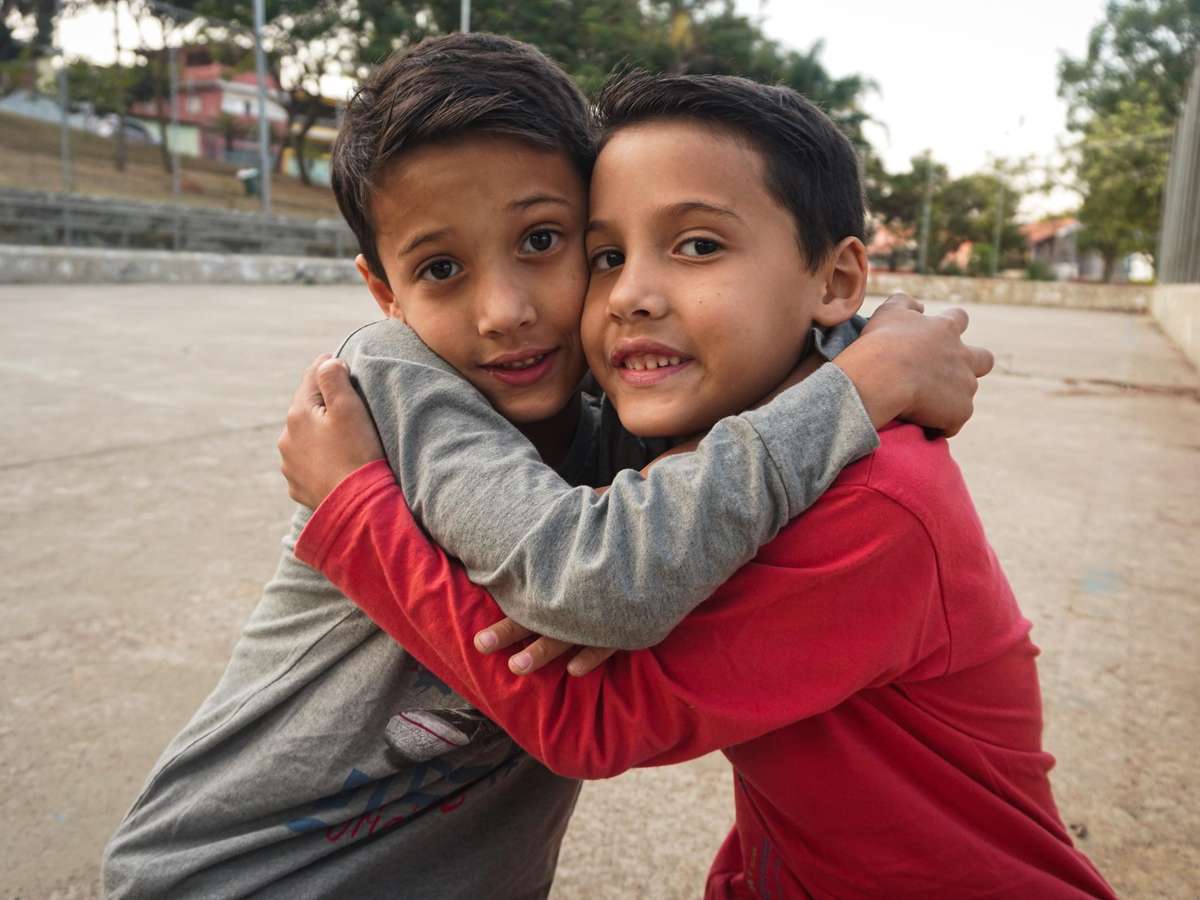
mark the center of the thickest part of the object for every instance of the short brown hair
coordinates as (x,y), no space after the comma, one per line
(811,168)
(443,88)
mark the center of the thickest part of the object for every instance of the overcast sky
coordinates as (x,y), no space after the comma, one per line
(966,79)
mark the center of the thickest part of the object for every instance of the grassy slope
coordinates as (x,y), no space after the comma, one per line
(29,159)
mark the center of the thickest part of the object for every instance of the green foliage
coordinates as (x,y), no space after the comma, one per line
(961,209)
(980,264)
(41,14)
(110,89)
(1121,168)
(589,39)
(1125,97)
(1142,48)
(1039,271)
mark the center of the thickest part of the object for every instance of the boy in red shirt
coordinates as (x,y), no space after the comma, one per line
(869,673)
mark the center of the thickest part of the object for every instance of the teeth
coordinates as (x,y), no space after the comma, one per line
(651,361)
(522,363)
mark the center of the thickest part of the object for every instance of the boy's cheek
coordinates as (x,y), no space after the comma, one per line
(591,332)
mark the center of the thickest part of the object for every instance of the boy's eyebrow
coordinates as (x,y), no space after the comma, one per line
(423,238)
(535,199)
(687,206)
(676,209)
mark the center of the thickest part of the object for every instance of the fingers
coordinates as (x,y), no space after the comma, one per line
(588,659)
(536,655)
(901,300)
(981,360)
(958,318)
(333,380)
(503,634)
(308,394)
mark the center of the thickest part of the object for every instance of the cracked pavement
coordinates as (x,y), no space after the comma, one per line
(142,512)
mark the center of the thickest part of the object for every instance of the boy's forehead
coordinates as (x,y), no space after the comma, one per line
(672,157)
(451,179)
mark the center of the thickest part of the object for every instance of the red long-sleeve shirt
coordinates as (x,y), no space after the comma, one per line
(869,675)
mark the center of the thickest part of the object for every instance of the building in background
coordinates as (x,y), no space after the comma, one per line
(217,110)
(893,249)
(1054,244)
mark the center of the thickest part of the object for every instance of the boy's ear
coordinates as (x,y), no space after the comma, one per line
(845,283)
(379,289)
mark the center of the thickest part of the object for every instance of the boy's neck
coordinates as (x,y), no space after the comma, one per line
(552,437)
(808,364)
(811,361)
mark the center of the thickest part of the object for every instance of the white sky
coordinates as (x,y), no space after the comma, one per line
(968,80)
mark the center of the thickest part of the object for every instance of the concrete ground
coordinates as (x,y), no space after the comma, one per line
(141,508)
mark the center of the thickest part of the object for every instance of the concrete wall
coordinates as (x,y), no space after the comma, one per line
(1065,294)
(1175,306)
(1177,309)
(77,265)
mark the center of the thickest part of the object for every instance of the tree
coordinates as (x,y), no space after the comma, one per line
(589,39)
(1121,167)
(1124,98)
(41,13)
(961,209)
(304,40)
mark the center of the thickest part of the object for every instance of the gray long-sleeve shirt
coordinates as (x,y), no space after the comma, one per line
(328,763)
(621,569)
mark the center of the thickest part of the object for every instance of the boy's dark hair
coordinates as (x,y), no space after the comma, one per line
(443,88)
(811,167)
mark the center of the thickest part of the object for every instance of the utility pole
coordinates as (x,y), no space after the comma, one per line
(64,131)
(926,214)
(173,140)
(999,231)
(122,150)
(464,17)
(264,135)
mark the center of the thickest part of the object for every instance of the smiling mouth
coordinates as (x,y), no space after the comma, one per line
(522,371)
(639,362)
(649,370)
(521,363)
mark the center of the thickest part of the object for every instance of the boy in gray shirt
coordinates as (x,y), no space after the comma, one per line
(327,762)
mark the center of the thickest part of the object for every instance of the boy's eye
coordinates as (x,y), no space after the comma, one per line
(699,247)
(441,270)
(540,241)
(607,259)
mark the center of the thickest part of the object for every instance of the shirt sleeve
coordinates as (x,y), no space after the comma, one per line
(853,603)
(618,570)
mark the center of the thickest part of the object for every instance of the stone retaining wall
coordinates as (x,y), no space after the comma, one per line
(1063,294)
(78,265)
(1176,307)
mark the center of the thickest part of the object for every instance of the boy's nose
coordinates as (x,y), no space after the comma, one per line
(636,295)
(504,308)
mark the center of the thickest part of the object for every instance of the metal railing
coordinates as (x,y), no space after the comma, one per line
(70,220)
(1179,242)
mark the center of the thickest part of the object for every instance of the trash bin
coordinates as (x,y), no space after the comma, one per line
(250,181)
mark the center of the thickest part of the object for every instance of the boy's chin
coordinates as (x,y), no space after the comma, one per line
(531,410)
(651,420)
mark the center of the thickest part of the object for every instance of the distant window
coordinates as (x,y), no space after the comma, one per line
(194,104)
